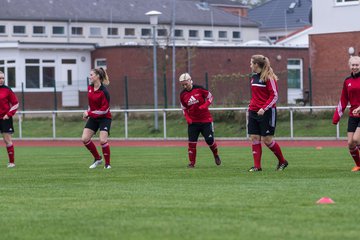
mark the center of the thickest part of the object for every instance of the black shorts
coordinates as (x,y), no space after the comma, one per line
(6,126)
(353,123)
(262,125)
(103,124)
(206,129)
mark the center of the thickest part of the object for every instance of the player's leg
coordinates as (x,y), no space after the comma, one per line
(10,149)
(7,129)
(193,135)
(353,137)
(104,134)
(268,125)
(88,132)
(255,138)
(207,130)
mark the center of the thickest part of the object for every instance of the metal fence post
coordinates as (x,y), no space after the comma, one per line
(20,124)
(164,121)
(54,124)
(291,123)
(126,125)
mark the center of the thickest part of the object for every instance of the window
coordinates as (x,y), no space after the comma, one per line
(112,31)
(100,62)
(95,31)
(8,68)
(236,35)
(38,30)
(19,29)
(57,30)
(208,34)
(77,31)
(48,76)
(39,74)
(222,34)
(68,61)
(179,33)
(130,32)
(294,67)
(145,32)
(193,33)
(346,2)
(162,32)
(2,29)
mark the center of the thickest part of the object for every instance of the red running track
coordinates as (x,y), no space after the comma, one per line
(179,143)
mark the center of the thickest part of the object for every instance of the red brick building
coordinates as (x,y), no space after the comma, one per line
(329,55)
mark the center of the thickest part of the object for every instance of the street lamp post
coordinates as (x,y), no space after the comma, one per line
(153,22)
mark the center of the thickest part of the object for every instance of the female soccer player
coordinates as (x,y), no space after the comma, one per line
(262,111)
(98,116)
(8,107)
(351,93)
(195,101)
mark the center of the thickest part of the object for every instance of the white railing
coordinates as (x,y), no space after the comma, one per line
(165,111)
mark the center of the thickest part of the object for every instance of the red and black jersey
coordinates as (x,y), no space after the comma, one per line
(8,102)
(192,100)
(99,102)
(263,94)
(350,94)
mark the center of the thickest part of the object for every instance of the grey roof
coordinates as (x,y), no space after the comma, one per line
(117,11)
(232,3)
(271,15)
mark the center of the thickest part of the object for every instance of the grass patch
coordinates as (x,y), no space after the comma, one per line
(150,194)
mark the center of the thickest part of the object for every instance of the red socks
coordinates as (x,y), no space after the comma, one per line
(11,153)
(214,149)
(192,152)
(106,152)
(257,151)
(91,147)
(354,152)
(275,148)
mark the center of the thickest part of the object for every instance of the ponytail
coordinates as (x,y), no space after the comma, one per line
(104,78)
(267,72)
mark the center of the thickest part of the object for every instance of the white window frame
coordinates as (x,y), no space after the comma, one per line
(95,29)
(97,63)
(297,67)
(9,63)
(346,2)
(41,64)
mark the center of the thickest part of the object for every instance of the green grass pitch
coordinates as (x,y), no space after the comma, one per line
(150,194)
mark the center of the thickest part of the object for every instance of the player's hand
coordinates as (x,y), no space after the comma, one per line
(5,117)
(201,107)
(261,112)
(188,120)
(85,115)
(356,111)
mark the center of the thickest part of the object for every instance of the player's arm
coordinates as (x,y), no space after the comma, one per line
(340,108)
(14,103)
(103,110)
(271,86)
(208,99)
(186,114)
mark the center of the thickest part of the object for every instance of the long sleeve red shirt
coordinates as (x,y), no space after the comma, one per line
(350,94)
(99,102)
(192,100)
(263,94)
(8,102)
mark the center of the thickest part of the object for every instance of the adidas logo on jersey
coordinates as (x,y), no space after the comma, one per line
(349,85)
(192,101)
